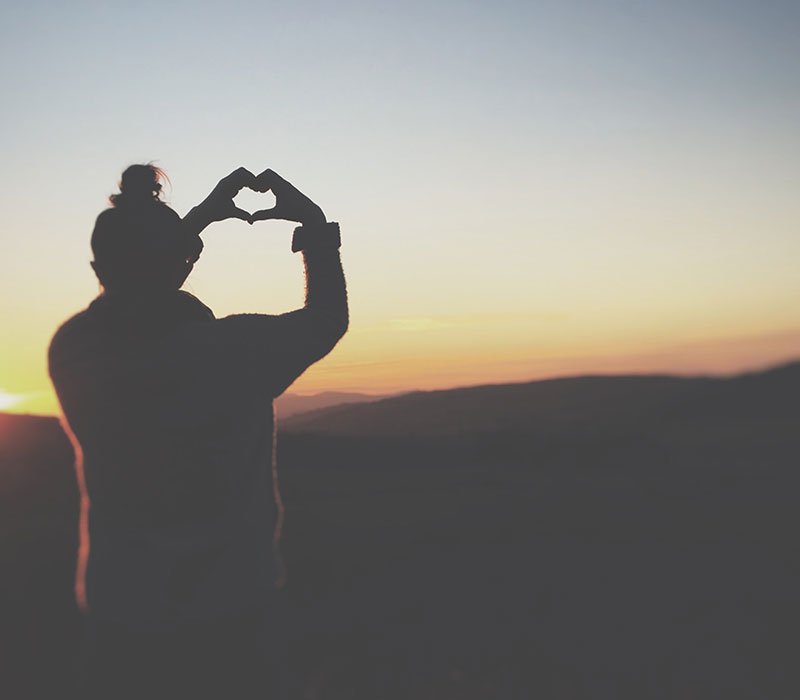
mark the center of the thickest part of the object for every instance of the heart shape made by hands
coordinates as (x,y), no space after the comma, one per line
(290,203)
(252,201)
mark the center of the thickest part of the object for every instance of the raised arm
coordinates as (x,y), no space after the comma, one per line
(289,343)
(308,334)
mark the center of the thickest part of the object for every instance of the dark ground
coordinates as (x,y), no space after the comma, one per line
(589,538)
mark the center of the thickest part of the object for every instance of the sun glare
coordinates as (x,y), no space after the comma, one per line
(7,400)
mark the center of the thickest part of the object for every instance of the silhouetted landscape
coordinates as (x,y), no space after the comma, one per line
(589,537)
(291,404)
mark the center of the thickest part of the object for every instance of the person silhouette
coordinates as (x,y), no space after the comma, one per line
(171,414)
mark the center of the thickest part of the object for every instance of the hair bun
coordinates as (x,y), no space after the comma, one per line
(140,184)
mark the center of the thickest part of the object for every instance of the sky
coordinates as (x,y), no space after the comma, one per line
(525,189)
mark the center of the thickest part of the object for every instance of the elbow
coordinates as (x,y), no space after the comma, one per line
(344,324)
(340,321)
(336,330)
(327,338)
(327,332)
(330,326)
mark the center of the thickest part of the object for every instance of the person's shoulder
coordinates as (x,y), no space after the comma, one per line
(243,329)
(193,307)
(69,334)
(73,327)
(248,321)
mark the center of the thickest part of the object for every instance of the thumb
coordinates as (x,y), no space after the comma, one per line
(265,214)
(237,213)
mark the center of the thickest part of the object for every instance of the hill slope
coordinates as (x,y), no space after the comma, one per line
(596,537)
(292,404)
(580,406)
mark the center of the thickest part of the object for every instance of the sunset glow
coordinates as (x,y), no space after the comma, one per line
(525,190)
(7,400)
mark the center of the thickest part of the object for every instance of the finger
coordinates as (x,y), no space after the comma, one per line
(268,180)
(267,175)
(263,181)
(280,183)
(245,177)
(266,214)
(240,214)
(238,179)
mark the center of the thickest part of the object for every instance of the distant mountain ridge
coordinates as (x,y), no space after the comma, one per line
(601,405)
(608,405)
(292,404)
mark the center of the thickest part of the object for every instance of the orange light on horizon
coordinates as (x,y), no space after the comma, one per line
(8,400)
(407,355)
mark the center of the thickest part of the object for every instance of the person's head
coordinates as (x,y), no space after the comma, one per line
(138,244)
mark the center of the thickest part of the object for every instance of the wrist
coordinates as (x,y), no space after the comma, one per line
(316,236)
(197,219)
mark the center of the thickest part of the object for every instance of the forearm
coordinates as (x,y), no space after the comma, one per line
(197,220)
(326,290)
(289,343)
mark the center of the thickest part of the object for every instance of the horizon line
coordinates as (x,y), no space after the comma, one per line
(758,369)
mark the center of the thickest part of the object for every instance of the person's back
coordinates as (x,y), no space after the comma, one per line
(171,411)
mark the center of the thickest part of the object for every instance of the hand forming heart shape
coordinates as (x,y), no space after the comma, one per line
(290,203)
